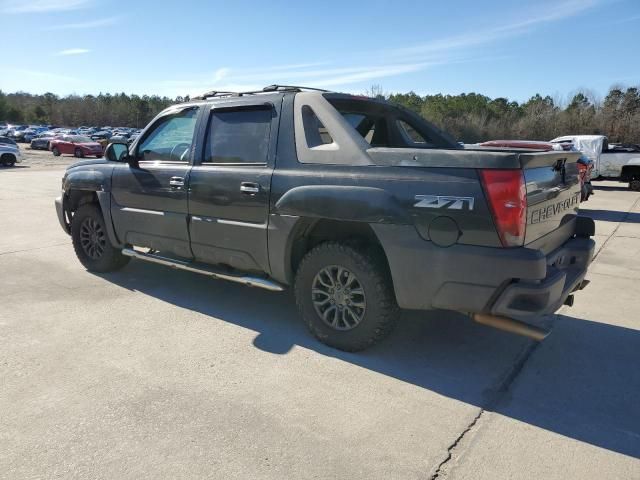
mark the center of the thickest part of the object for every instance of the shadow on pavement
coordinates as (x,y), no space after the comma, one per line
(611,215)
(581,382)
(4,168)
(622,188)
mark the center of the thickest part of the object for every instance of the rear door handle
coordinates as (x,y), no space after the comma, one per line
(176,182)
(250,188)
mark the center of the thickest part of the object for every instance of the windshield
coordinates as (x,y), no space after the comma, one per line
(79,139)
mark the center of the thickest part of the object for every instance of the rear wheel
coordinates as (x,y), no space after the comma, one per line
(345,295)
(78,153)
(8,160)
(55,151)
(634,185)
(90,241)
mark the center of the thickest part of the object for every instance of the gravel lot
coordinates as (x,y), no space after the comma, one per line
(42,159)
(155,373)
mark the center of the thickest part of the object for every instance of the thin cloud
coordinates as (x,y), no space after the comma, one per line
(40,6)
(102,22)
(553,13)
(372,65)
(226,79)
(72,51)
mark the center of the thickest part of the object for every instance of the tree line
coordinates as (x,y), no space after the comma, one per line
(469,117)
(119,110)
(474,118)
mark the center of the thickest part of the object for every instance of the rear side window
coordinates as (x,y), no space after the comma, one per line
(410,134)
(238,136)
(315,132)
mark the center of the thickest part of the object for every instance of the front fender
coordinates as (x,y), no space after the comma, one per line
(88,180)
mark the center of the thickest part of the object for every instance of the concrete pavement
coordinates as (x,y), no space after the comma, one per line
(154,373)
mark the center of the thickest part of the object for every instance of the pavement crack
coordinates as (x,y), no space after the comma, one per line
(503,387)
(34,248)
(452,447)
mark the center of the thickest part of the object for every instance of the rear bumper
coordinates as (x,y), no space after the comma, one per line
(566,269)
(522,283)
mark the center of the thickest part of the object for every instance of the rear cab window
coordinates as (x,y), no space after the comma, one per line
(385,125)
(238,136)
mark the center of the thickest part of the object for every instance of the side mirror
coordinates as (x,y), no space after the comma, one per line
(119,152)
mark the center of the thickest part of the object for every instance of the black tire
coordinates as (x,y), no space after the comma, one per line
(350,332)
(634,185)
(55,151)
(8,160)
(91,243)
(78,153)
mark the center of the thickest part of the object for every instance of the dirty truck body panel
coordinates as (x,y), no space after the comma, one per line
(256,181)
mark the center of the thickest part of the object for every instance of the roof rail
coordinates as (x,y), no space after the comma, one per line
(279,88)
(267,89)
(214,93)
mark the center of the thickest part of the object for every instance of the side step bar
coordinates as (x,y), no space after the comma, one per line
(191,267)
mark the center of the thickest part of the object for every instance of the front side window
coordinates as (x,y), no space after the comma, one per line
(238,136)
(171,138)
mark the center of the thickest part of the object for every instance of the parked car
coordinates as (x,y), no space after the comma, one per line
(9,154)
(359,206)
(8,141)
(622,164)
(41,142)
(118,139)
(76,145)
(17,132)
(101,135)
(585,166)
(32,133)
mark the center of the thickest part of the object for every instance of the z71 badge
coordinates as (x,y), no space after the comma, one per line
(444,202)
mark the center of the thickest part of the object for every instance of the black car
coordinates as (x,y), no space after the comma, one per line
(359,206)
(41,142)
(101,135)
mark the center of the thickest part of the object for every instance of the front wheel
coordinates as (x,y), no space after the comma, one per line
(345,295)
(90,241)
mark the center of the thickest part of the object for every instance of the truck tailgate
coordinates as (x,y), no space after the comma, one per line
(553,194)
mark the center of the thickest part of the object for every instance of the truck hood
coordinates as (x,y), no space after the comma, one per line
(82,163)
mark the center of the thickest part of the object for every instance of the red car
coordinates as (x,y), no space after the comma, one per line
(584,164)
(532,144)
(77,145)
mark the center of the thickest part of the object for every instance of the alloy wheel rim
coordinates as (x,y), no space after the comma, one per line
(92,238)
(338,298)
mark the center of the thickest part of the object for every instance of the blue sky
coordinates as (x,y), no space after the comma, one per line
(494,47)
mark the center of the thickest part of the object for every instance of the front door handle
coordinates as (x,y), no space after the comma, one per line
(250,188)
(176,182)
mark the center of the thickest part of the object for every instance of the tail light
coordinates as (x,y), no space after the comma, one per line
(507,195)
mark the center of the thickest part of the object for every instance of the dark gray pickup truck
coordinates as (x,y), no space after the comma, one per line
(361,206)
